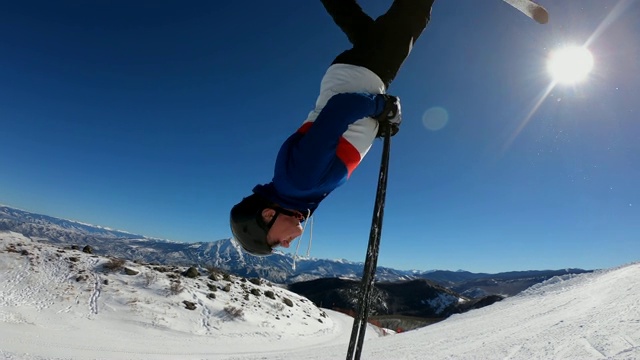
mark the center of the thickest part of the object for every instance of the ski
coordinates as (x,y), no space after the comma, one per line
(530,8)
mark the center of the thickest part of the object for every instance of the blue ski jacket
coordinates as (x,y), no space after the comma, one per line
(324,151)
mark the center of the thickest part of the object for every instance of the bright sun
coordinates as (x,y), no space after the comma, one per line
(570,65)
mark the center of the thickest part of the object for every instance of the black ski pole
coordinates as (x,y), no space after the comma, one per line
(369,271)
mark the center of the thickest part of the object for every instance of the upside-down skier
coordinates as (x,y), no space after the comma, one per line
(339,131)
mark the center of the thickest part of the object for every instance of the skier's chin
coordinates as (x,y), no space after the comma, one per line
(285,243)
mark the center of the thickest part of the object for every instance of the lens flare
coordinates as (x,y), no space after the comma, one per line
(435,118)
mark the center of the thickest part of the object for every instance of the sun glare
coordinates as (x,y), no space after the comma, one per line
(570,65)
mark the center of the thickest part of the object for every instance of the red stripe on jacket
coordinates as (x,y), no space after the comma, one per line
(305,127)
(348,154)
(345,151)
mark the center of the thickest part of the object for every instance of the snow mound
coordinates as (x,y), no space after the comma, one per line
(85,304)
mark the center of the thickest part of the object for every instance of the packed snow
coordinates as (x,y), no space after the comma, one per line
(60,303)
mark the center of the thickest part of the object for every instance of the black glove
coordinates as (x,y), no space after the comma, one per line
(391,114)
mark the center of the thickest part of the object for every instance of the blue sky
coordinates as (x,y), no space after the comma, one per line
(156,118)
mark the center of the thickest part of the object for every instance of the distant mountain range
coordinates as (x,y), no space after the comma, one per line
(227,255)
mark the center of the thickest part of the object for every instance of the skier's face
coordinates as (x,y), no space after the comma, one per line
(284,230)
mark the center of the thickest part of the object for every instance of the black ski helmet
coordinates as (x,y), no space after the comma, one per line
(248,227)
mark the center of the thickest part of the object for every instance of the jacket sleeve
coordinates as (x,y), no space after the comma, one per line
(316,151)
(340,111)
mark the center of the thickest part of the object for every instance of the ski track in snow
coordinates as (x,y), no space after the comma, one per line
(205,314)
(95,292)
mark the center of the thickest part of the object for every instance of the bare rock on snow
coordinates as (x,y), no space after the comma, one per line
(131,272)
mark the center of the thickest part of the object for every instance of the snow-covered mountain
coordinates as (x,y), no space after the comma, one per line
(224,254)
(227,255)
(43,223)
(58,303)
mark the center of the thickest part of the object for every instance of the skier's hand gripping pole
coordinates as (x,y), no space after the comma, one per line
(391,114)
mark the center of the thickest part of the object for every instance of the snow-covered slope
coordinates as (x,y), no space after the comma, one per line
(589,316)
(59,303)
(55,304)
